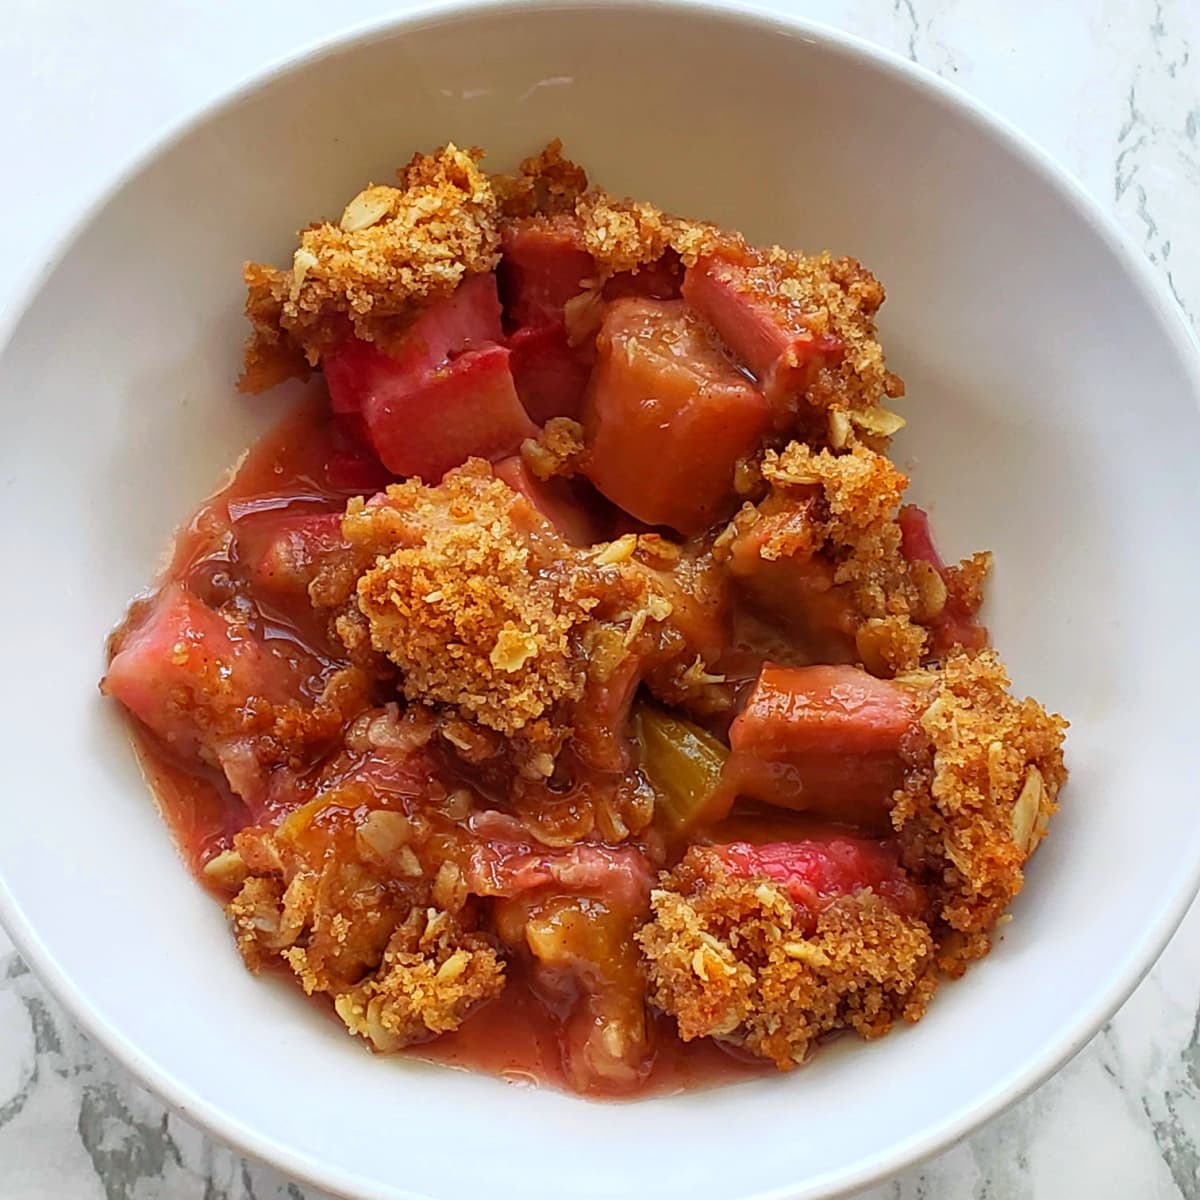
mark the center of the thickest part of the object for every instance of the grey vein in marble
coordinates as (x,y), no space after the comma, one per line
(1160,130)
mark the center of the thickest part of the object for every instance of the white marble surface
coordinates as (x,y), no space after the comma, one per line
(1110,87)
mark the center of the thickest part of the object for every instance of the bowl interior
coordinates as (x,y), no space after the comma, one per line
(1052,407)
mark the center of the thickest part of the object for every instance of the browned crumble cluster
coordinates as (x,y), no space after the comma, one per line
(430,976)
(477,612)
(840,510)
(393,250)
(545,184)
(857,527)
(338,896)
(489,615)
(737,959)
(987,771)
(841,297)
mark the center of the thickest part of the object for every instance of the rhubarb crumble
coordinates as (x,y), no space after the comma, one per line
(566,689)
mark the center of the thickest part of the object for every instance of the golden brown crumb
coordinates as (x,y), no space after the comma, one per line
(988,768)
(476,613)
(421,241)
(271,355)
(486,611)
(557,450)
(547,183)
(737,960)
(256,914)
(340,895)
(964,581)
(431,976)
(623,235)
(292,729)
(840,298)
(842,510)
(886,645)
(862,493)
(853,526)
(862,489)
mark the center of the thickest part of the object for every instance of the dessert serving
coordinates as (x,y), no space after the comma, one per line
(565,689)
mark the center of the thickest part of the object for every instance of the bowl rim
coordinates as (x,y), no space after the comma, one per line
(1139,958)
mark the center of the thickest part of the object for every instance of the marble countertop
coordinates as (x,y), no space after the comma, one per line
(1110,87)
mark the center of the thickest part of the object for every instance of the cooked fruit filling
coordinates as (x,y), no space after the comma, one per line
(565,688)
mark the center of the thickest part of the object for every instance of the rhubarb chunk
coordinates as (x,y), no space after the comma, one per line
(543,266)
(549,374)
(771,332)
(667,417)
(563,502)
(469,318)
(194,679)
(424,421)
(824,740)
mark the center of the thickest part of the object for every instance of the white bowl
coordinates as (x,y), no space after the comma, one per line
(1053,418)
